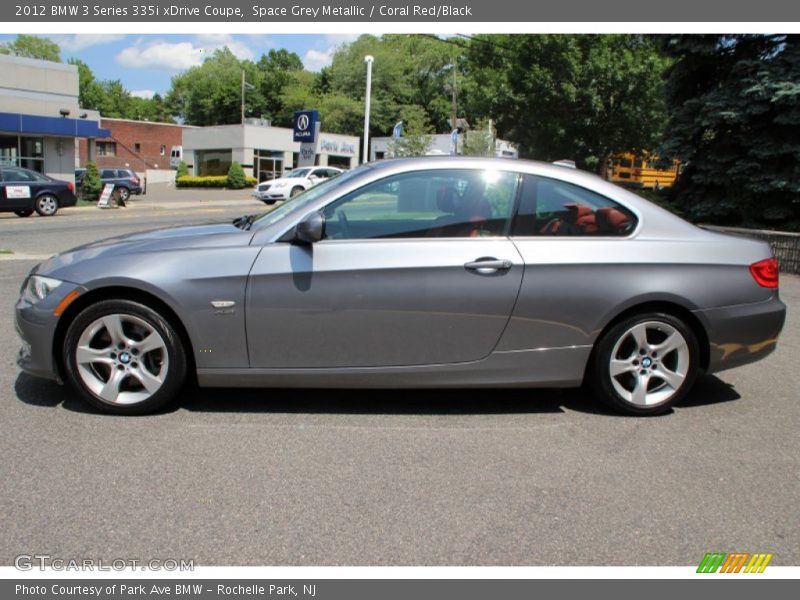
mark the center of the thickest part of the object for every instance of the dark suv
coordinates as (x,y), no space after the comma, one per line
(124,180)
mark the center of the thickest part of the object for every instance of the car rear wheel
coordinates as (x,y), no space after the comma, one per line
(645,364)
(23,213)
(124,193)
(47,205)
(123,357)
(295,191)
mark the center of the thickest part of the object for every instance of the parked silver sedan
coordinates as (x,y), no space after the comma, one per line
(435,272)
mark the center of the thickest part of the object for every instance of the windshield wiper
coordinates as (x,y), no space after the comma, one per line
(245,221)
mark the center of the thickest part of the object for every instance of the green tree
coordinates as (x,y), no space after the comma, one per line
(409,71)
(32,46)
(734,119)
(182,171)
(90,91)
(480,141)
(236,177)
(210,94)
(581,97)
(416,139)
(276,68)
(91,182)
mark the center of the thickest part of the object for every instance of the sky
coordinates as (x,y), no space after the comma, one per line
(146,63)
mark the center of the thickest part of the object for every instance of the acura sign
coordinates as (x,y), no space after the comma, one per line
(305,126)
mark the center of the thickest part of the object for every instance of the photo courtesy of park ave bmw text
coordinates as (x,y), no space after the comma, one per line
(386,299)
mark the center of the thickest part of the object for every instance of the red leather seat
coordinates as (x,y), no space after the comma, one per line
(611,220)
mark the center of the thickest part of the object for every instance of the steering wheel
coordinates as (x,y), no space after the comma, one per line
(344,224)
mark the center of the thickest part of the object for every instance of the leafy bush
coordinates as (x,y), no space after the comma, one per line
(183,170)
(209,181)
(91,187)
(236,177)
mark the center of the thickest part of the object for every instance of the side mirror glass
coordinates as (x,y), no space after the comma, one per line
(311,229)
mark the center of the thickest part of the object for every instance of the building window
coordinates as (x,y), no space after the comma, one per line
(137,147)
(213,162)
(163,151)
(22,151)
(106,148)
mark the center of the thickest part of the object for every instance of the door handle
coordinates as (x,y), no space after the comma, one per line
(487,266)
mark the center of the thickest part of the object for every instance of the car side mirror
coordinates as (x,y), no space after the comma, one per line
(311,229)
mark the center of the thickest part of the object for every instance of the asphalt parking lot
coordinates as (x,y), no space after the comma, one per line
(277,477)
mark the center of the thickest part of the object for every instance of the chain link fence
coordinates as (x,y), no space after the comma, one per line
(785,245)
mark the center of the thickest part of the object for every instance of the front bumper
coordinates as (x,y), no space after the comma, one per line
(271,195)
(742,334)
(36,326)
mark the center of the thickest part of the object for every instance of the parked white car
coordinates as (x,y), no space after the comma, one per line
(294,182)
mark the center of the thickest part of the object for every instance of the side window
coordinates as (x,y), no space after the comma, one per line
(432,204)
(549,207)
(11,174)
(108,174)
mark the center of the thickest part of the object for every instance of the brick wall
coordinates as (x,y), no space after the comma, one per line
(126,134)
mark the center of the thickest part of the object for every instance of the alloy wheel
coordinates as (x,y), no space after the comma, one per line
(649,363)
(122,359)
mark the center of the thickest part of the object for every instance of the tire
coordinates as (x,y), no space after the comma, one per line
(23,213)
(46,205)
(115,364)
(270,202)
(124,194)
(655,358)
(295,191)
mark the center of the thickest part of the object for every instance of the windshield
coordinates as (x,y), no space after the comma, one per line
(299,202)
(297,173)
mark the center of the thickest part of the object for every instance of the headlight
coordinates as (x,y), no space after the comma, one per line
(37,288)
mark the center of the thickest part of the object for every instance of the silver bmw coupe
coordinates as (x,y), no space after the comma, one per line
(433,272)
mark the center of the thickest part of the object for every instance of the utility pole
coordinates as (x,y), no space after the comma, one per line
(244,86)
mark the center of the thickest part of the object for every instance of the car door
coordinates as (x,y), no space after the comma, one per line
(19,189)
(415,269)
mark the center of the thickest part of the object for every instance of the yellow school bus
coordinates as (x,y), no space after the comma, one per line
(639,170)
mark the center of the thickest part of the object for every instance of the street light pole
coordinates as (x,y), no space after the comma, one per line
(369,60)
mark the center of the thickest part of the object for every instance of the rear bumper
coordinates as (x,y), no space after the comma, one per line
(742,334)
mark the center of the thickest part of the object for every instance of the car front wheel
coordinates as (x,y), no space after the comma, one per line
(645,364)
(295,191)
(46,205)
(123,357)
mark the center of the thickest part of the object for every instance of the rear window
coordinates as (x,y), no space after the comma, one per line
(550,207)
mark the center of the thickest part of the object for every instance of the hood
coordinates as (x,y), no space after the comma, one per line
(154,241)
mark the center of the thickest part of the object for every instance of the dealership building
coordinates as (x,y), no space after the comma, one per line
(41,120)
(265,152)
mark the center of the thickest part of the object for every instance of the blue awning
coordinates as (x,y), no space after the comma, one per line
(19,123)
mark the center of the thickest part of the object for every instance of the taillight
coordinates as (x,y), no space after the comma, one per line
(765,272)
(70,187)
